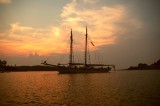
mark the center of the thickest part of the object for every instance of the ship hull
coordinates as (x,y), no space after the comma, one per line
(68,70)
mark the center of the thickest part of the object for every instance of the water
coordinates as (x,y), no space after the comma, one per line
(117,88)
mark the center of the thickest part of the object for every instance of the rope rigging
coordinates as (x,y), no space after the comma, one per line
(77,55)
(98,56)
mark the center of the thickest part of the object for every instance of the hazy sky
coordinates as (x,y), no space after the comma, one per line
(125,32)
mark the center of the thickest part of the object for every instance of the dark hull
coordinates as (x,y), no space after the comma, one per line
(66,70)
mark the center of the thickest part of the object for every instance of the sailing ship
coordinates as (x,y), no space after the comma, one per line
(85,67)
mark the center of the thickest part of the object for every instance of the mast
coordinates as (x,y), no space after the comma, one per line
(71,49)
(85,52)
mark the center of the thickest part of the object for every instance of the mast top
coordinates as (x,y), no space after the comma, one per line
(71,34)
(71,49)
(86,31)
(71,31)
(85,51)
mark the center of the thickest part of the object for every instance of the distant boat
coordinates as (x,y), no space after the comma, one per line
(85,67)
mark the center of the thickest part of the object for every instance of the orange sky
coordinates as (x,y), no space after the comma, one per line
(126,32)
(20,39)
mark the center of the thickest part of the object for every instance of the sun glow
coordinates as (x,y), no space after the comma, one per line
(103,28)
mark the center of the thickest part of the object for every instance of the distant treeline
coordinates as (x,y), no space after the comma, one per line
(143,66)
(5,67)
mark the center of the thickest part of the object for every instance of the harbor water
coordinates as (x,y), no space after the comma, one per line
(116,88)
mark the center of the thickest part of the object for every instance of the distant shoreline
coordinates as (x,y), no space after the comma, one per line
(143,66)
(7,68)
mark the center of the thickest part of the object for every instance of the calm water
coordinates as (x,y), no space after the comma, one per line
(117,88)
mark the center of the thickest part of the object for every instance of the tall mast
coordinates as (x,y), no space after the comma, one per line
(71,49)
(86,41)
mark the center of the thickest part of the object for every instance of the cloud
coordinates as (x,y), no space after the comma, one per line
(22,40)
(5,1)
(90,1)
(86,1)
(105,25)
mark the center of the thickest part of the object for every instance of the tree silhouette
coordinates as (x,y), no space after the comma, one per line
(3,63)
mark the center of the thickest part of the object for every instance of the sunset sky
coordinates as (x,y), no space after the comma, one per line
(125,32)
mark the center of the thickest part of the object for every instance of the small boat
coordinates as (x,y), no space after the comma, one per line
(85,67)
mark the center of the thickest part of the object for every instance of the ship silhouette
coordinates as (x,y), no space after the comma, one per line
(85,67)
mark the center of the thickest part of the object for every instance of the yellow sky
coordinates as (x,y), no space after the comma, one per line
(126,32)
(103,28)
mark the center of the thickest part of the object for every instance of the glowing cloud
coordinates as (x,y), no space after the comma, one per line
(105,25)
(22,40)
(91,1)
(5,1)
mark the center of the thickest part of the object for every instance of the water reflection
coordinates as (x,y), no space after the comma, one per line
(50,88)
